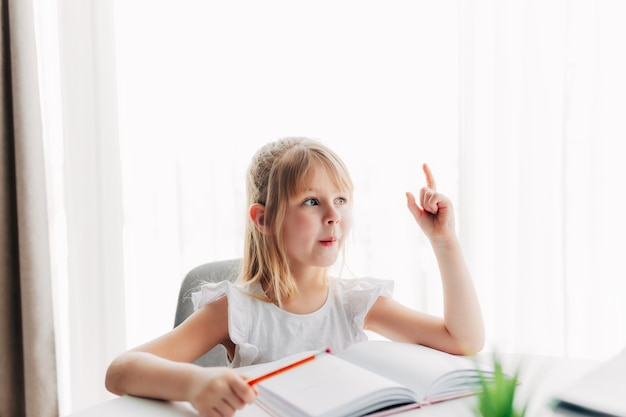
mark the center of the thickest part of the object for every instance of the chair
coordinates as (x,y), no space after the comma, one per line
(209,272)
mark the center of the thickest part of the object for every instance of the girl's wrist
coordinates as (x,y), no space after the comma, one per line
(192,384)
(445,242)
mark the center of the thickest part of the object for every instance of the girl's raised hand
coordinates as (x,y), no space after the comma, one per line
(434,212)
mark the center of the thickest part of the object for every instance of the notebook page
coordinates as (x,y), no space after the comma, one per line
(414,366)
(329,386)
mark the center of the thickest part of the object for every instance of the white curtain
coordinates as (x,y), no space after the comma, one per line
(544,109)
(518,106)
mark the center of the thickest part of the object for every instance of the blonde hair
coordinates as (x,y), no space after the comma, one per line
(275,176)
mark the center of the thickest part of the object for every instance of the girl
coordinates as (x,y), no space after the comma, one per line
(300,203)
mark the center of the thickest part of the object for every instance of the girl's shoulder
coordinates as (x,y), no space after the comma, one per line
(211,291)
(356,296)
(362,287)
(360,293)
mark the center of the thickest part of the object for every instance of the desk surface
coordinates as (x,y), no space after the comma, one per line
(541,378)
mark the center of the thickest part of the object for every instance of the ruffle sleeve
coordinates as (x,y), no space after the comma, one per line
(208,293)
(360,294)
(240,317)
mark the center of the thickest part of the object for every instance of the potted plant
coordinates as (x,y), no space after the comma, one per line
(497,394)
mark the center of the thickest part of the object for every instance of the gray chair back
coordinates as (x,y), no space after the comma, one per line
(209,272)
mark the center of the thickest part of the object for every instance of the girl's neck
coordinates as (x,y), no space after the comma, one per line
(312,292)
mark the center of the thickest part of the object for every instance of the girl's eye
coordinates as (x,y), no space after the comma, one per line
(310,202)
(340,201)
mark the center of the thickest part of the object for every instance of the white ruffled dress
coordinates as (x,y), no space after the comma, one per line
(262,332)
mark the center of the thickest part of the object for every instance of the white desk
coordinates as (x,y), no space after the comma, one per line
(541,378)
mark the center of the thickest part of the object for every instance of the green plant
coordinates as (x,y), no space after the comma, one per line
(497,395)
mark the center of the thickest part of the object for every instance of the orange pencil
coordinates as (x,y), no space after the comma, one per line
(288,367)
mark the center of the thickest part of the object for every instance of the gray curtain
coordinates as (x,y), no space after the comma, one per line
(28,382)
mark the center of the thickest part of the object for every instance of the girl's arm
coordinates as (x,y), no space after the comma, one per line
(162,369)
(461,331)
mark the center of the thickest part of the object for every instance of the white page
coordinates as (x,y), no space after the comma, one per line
(309,387)
(414,366)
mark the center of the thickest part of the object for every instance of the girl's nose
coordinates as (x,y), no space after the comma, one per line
(333,216)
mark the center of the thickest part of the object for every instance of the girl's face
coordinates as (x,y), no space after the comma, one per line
(317,221)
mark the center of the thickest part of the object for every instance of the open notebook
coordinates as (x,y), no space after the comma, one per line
(378,377)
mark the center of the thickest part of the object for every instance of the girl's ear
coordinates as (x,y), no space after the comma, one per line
(257,215)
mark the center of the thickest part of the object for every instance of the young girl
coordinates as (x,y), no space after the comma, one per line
(300,204)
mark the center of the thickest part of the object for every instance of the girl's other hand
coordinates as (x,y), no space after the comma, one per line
(434,213)
(220,392)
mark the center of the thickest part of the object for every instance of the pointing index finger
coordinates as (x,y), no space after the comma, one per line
(430,179)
